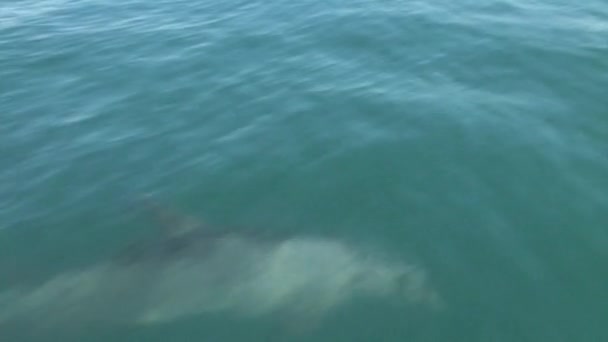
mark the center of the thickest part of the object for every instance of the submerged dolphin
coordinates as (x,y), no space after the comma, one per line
(192,269)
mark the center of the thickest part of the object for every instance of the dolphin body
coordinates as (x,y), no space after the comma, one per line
(195,270)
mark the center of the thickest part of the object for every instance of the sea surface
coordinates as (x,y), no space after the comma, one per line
(468,137)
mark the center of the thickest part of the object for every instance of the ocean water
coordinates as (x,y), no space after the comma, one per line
(469,138)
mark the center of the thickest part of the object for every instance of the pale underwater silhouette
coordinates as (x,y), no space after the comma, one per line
(193,270)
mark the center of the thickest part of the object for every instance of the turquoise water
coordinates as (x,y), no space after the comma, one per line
(470,137)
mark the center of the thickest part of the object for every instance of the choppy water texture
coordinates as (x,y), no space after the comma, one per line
(467,137)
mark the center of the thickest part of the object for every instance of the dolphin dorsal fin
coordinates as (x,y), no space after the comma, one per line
(173,223)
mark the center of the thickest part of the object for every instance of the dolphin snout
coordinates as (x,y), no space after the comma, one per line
(414,286)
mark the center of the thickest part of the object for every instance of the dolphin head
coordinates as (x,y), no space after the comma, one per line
(399,282)
(414,286)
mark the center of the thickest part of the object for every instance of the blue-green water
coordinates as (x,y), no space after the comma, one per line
(470,137)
